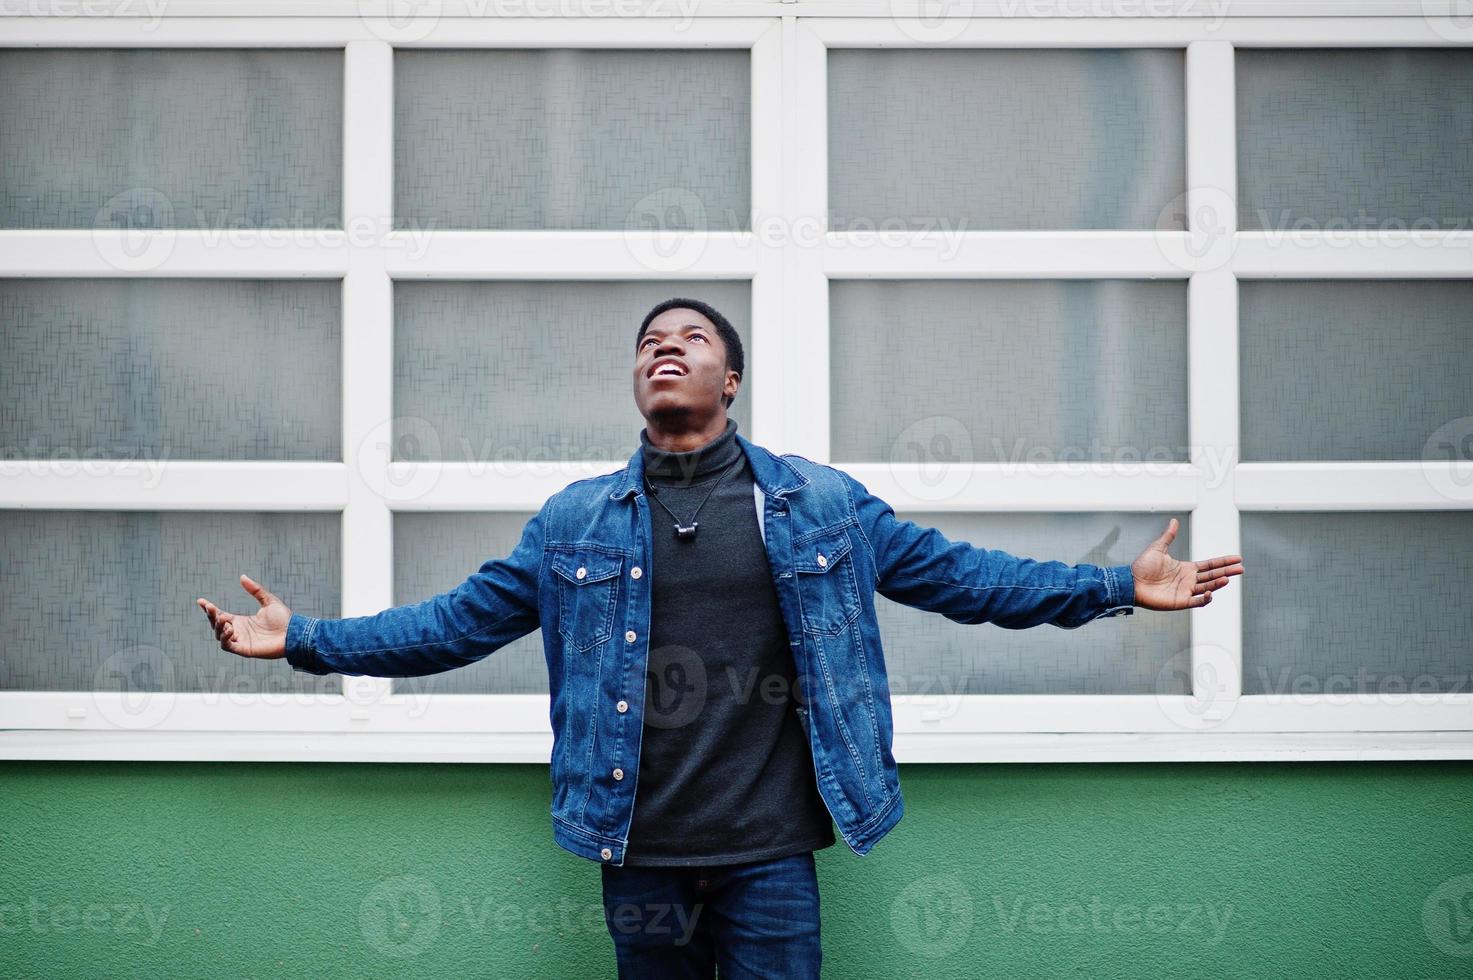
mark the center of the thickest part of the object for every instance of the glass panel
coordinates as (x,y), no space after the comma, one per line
(1008,370)
(572,138)
(1345,603)
(105,601)
(433,553)
(177,138)
(499,372)
(1344,370)
(991,139)
(1355,138)
(1121,655)
(163,369)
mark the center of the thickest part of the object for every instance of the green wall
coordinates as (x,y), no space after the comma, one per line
(1109,870)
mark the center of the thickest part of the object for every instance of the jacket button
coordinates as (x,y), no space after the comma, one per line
(636,572)
(606,854)
(623,706)
(629,636)
(581,572)
(618,773)
(823,562)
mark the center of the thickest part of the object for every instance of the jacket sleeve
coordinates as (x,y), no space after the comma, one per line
(491,608)
(919,567)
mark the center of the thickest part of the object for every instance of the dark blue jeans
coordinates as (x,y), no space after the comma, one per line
(758,919)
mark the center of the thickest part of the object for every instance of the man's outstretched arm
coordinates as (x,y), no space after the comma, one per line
(494,606)
(920,567)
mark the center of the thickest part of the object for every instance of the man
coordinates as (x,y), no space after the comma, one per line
(709,624)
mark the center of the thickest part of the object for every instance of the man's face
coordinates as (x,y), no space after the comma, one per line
(680,367)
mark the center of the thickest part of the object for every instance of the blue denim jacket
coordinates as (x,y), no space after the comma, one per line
(582,573)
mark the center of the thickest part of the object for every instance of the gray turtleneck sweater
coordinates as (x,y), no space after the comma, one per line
(725,772)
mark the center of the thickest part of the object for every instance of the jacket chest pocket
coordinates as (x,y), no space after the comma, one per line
(588,594)
(828,589)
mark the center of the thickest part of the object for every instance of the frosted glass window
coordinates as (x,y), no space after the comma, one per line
(434,553)
(105,601)
(1355,138)
(1018,371)
(572,138)
(491,372)
(1353,370)
(175,138)
(1119,655)
(1340,603)
(1006,139)
(155,370)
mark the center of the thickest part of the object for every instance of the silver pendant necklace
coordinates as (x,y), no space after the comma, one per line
(684,531)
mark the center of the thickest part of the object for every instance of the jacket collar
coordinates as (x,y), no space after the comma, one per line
(773,474)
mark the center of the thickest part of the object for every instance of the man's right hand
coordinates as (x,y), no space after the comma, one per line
(262,636)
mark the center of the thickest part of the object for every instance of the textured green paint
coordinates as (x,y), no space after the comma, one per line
(260,870)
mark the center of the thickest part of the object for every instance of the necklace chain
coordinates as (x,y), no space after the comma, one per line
(682,530)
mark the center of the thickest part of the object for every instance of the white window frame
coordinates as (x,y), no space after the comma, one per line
(790,273)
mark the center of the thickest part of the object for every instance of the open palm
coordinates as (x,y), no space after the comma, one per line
(260,635)
(1163,582)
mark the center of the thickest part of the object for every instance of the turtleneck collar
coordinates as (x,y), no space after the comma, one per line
(687,467)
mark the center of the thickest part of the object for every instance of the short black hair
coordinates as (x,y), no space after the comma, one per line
(736,358)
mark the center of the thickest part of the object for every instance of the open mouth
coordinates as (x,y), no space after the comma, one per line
(668,369)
